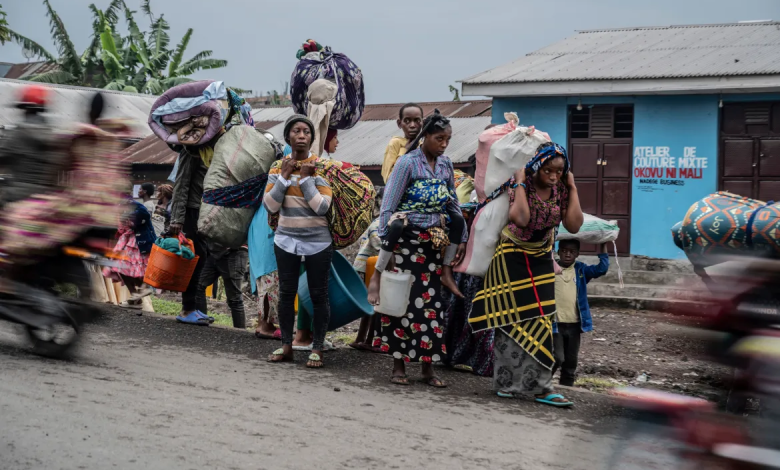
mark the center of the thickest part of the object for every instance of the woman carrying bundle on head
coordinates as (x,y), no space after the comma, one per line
(518,295)
(419,195)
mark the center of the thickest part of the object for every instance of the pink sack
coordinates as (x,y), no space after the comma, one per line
(486,140)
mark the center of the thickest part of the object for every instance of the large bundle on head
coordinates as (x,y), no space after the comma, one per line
(242,153)
(318,63)
(352,205)
(502,151)
(727,224)
(194,113)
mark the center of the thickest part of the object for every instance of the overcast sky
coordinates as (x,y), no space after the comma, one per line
(409,50)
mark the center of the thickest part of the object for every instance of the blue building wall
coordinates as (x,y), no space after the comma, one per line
(675,154)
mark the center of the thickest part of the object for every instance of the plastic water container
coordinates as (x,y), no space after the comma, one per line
(394,292)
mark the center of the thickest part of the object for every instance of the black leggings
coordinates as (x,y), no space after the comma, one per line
(317,274)
(457,226)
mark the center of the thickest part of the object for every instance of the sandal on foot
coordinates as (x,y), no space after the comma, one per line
(549,400)
(463,368)
(279,353)
(314,359)
(434,382)
(193,318)
(203,315)
(400,379)
(504,394)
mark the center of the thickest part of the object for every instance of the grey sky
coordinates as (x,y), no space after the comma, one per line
(409,50)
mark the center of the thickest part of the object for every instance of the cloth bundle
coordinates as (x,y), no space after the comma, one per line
(239,155)
(727,224)
(464,186)
(194,113)
(339,69)
(352,205)
(508,148)
(174,246)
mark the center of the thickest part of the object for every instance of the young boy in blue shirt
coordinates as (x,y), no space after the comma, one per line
(571,301)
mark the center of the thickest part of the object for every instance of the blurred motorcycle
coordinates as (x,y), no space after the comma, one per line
(669,431)
(51,298)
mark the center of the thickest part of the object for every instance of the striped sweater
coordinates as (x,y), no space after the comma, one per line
(302,205)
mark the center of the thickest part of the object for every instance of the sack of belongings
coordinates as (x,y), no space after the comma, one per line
(594,230)
(316,63)
(242,153)
(506,155)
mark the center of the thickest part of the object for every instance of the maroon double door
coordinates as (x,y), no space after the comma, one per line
(750,150)
(600,149)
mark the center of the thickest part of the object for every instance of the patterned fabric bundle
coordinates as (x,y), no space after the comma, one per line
(518,297)
(726,224)
(350,99)
(351,209)
(464,186)
(428,196)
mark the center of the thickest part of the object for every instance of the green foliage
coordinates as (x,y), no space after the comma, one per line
(139,62)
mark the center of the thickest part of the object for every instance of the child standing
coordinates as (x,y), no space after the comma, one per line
(571,300)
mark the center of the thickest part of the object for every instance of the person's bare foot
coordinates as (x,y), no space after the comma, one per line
(315,360)
(302,338)
(373,288)
(283,354)
(265,329)
(448,281)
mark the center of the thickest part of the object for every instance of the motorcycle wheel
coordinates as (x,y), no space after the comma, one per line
(57,340)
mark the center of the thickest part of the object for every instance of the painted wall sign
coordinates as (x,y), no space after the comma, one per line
(657,166)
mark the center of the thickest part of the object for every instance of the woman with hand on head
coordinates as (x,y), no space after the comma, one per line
(518,295)
(302,199)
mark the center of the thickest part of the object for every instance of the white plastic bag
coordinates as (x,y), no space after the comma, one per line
(507,155)
(594,230)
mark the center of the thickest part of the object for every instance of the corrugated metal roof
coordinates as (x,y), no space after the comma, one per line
(150,151)
(22,71)
(655,52)
(381,112)
(70,104)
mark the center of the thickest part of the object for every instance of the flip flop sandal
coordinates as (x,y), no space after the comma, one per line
(361,347)
(463,368)
(326,346)
(259,335)
(314,358)
(504,394)
(193,319)
(279,353)
(203,315)
(434,382)
(400,380)
(548,400)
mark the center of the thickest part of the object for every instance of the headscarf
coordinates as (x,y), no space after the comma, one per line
(546,152)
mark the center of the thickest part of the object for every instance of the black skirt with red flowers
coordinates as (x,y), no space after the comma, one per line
(418,336)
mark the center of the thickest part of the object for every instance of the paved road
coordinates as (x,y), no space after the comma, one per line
(147,393)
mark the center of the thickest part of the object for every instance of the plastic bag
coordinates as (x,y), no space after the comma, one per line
(507,155)
(594,230)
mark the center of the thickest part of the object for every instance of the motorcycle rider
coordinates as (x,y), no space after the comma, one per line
(30,154)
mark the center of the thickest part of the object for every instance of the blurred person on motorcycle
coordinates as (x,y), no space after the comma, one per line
(31,154)
(41,216)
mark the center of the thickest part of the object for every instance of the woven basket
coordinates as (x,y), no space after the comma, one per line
(169,271)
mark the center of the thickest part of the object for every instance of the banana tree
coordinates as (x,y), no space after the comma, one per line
(5,33)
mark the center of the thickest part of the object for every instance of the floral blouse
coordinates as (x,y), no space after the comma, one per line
(544,214)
